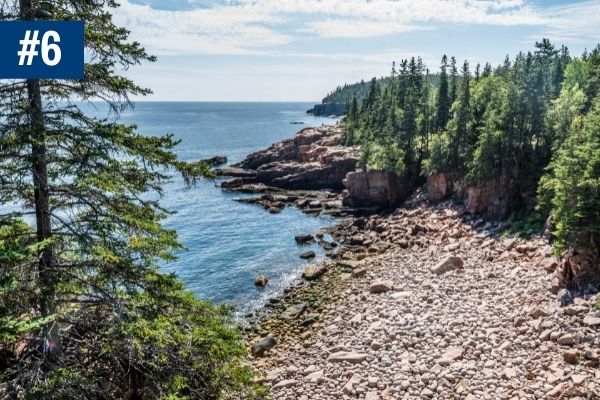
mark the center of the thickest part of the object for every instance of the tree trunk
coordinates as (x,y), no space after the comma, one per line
(40,183)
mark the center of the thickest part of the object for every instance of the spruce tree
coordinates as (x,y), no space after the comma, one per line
(95,318)
(443,101)
(453,81)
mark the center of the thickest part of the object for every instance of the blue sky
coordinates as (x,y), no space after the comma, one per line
(298,50)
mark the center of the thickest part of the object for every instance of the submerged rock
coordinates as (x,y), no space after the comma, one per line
(308,254)
(304,239)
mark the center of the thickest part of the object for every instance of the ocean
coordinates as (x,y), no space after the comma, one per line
(229,243)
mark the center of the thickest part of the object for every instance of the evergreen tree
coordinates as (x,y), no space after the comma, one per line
(443,101)
(453,80)
(97,318)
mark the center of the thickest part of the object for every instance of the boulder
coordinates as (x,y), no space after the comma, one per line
(448,264)
(216,160)
(314,272)
(307,255)
(347,356)
(580,268)
(381,286)
(304,239)
(374,188)
(443,185)
(259,348)
(450,355)
(261,281)
(293,312)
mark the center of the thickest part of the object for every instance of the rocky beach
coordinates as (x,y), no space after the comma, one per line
(422,300)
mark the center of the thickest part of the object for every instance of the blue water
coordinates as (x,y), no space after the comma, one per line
(229,243)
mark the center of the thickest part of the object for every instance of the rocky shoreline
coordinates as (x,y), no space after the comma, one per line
(425,301)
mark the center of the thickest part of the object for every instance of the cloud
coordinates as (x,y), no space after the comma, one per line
(574,23)
(219,30)
(263,27)
(241,27)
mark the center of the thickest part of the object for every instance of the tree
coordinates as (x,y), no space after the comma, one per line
(571,189)
(98,318)
(453,80)
(443,101)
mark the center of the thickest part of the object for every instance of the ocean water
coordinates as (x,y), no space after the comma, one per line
(229,243)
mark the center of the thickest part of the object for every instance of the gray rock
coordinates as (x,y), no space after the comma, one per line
(448,264)
(293,312)
(308,254)
(304,239)
(259,348)
(381,286)
(348,356)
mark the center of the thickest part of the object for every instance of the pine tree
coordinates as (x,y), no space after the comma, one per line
(453,81)
(102,321)
(443,101)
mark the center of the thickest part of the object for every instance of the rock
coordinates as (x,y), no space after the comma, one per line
(549,264)
(261,281)
(374,188)
(381,286)
(213,161)
(537,312)
(491,198)
(375,345)
(348,388)
(590,320)
(371,396)
(578,379)
(558,390)
(284,384)
(293,312)
(580,268)
(571,356)
(315,377)
(304,239)
(232,183)
(307,255)
(359,272)
(348,356)
(508,373)
(259,348)
(310,319)
(452,354)
(312,159)
(314,272)
(448,264)
(566,340)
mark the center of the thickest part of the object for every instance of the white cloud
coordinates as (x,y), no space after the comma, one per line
(574,23)
(244,26)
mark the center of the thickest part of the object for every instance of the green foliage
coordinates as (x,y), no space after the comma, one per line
(84,312)
(385,157)
(165,341)
(572,186)
(439,159)
(502,128)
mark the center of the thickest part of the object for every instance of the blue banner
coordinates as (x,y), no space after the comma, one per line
(41,49)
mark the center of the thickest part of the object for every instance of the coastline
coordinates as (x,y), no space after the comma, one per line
(360,330)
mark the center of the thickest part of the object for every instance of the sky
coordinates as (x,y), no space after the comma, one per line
(299,50)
